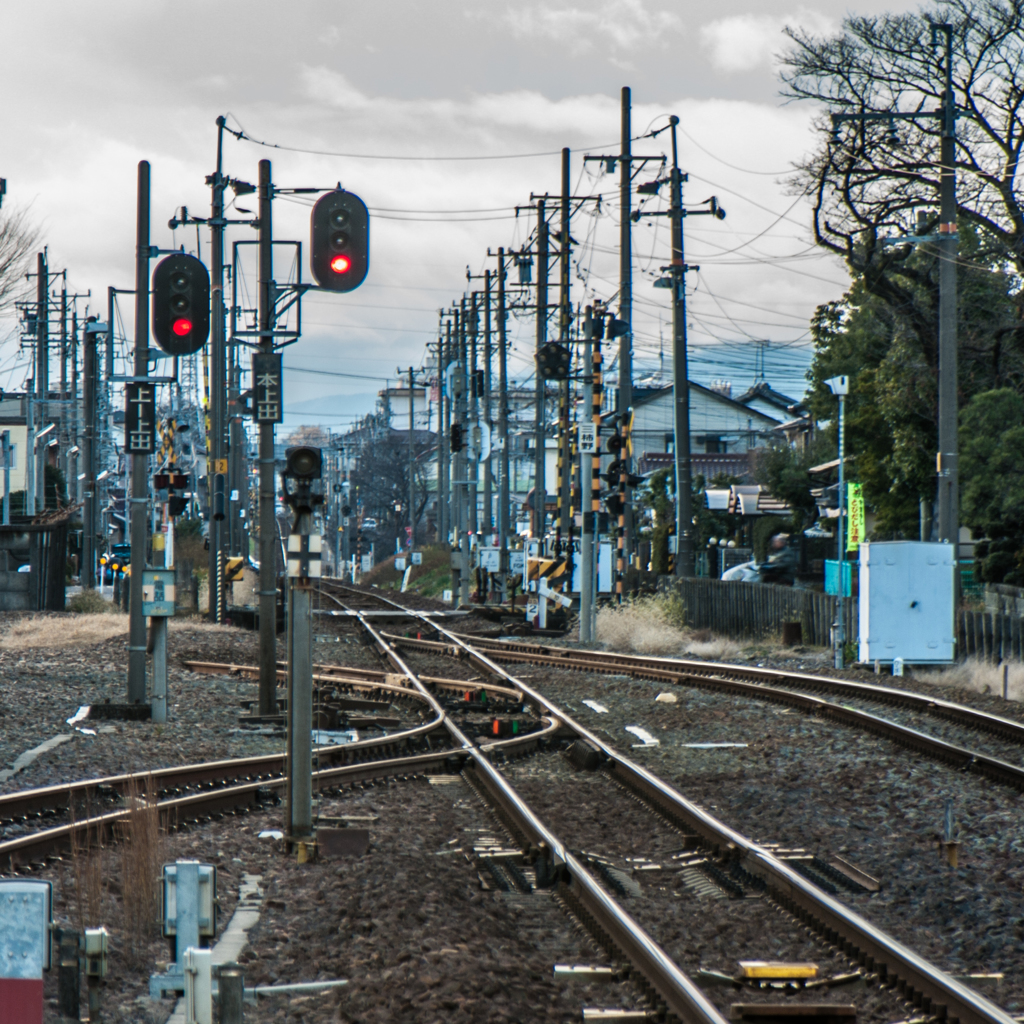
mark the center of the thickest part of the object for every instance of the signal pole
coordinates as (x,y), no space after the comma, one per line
(268,548)
(217,468)
(140,463)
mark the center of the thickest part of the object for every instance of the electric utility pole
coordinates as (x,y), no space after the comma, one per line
(488,524)
(444,343)
(412,466)
(945,242)
(268,523)
(503,458)
(142,394)
(42,376)
(540,481)
(626,161)
(564,321)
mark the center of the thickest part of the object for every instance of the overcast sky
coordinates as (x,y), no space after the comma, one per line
(90,89)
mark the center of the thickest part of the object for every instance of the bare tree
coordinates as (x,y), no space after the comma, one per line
(19,238)
(871,179)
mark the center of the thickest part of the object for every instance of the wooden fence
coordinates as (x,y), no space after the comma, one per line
(758,610)
(989,636)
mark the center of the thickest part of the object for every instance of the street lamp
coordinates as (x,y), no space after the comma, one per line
(840,387)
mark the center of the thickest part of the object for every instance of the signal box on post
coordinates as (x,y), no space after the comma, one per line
(181,304)
(340,241)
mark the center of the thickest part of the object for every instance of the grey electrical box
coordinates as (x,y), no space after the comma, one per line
(907,602)
(25,915)
(207,902)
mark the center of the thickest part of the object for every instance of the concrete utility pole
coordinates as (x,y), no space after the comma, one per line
(626,294)
(444,519)
(268,531)
(412,466)
(42,374)
(488,524)
(217,468)
(539,480)
(684,564)
(473,426)
(90,445)
(462,460)
(948,468)
(503,458)
(587,491)
(945,241)
(564,322)
(140,463)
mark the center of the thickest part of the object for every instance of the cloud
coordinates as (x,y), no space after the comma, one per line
(618,24)
(745,42)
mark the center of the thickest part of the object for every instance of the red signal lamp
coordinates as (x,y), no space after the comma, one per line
(182,326)
(341,264)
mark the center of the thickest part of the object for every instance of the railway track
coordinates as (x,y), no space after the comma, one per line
(933,992)
(726,679)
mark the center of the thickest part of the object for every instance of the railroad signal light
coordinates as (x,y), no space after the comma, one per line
(456,438)
(181,304)
(340,241)
(553,361)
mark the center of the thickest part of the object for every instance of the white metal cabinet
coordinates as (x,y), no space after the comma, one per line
(907,602)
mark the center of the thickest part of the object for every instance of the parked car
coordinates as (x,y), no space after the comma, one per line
(369,523)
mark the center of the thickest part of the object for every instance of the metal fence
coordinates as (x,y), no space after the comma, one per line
(758,610)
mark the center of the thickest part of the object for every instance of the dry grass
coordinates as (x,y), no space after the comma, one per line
(651,626)
(87,868)
(56,631)
(199,625)
(90,602)
(141,854)
(979,676)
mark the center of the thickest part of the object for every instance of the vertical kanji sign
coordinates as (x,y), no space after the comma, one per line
(140,419)
(856,520)
(266,387)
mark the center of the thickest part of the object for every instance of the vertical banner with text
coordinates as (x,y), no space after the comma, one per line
(855,524)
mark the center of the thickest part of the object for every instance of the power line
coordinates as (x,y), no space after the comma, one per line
(242,135)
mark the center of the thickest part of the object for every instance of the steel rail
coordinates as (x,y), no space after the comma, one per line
(22,804)
(678,992)
(38,846)
(958,757)
(678,669)
(931,989)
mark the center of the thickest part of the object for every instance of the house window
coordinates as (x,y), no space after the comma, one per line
(714,445)
(670,443)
